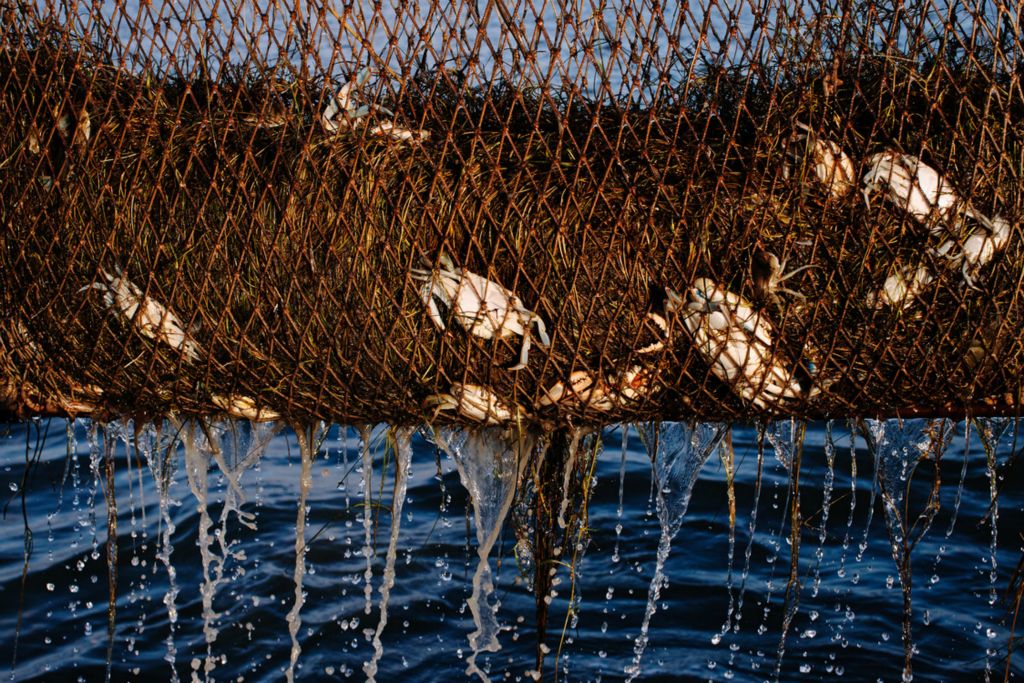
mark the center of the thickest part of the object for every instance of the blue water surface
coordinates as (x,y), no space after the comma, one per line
(714,620)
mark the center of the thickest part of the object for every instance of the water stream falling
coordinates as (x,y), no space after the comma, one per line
(403,465)
(490,464)
(570,472)
(734,612)
(204,442)
(677,450)
(902,449)
(826,506)
(993,432)
(369,437)
(780,435)
(309,438)
(203,591)
(197,463)
(159,453)
(622,482)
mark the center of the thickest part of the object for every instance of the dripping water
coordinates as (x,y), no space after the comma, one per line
(403,463)
(622,482)
(991,432)
(776,434)
(900,448)
(366,439)
(159,452)
(490,463)
(736,613)
(309,444)
(826,506)
(677,450)
(570,471)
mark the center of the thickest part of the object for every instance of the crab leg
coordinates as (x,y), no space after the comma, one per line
(796,271)
(427,294)
(523,352)
(440,402)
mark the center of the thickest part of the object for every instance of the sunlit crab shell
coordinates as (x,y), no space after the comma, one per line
(244,407)
(341,112)
(473,402)
(833,168)
(151,318)
(655,332)
(582,390)
(32,142)
(389,129)
(481,306)
(736,341)
(918,189)
(73,399)
(901,288)
(635,383)
(978,248)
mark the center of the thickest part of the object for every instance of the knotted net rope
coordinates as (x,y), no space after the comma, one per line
(361,212)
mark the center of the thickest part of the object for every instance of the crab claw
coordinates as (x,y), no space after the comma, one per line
(524,352)
(542,332)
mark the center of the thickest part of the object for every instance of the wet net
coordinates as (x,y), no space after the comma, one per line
(366,212)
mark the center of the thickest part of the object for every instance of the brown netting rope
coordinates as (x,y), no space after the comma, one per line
(249,208)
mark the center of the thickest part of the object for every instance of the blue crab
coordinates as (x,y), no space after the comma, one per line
(737,342)
(482,307)
(150,317)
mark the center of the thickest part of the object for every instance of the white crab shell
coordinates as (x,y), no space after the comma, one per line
(917,188)
(979,247)
(340,112)
(635,383)
(583,390)
(474,402)
(389,129)
(82,125)
(736,341)
(901,288)
(482,307)
(151,318)
(832,166)
(244,407)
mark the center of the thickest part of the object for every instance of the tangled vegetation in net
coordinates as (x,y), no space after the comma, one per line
(261,246)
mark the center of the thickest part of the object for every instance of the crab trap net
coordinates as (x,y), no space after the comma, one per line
(547,215)
(511,211)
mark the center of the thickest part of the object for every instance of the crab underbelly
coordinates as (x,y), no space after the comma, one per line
(490,325)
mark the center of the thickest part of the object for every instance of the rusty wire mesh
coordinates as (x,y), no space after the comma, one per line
(584,155)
